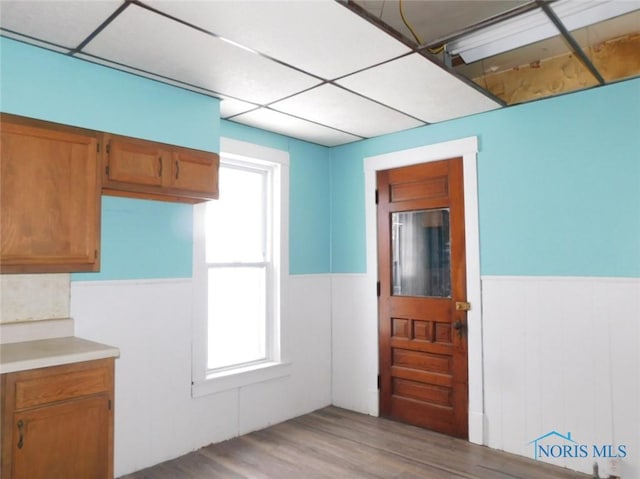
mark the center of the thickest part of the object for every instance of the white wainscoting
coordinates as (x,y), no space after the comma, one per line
(558,354)
(354,332)
(562,353)
(156,418)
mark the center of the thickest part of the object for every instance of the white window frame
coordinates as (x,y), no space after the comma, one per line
(209,382)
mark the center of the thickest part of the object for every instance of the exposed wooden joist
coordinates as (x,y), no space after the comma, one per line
(615,59)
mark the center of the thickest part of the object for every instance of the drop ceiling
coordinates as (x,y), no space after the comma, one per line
(319,70)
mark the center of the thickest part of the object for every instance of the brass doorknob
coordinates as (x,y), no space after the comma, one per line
(461,327)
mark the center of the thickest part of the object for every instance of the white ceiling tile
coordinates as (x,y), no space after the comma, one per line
(64,23)
(321,37)
(152,42)
(145,74)
(338,108)
(231,106)
(420,88)
(287,125)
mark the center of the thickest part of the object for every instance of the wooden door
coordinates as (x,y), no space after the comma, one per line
(422,273)
(49,198)
(63,441)
(195,171)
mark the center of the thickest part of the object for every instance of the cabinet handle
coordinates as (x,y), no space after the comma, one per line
(160,166)
(21,432)
(177,169)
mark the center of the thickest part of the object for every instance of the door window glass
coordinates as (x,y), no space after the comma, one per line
(421,253)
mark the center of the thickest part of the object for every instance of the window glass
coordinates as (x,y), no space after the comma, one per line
(238,265)
(237,312)
(236,222)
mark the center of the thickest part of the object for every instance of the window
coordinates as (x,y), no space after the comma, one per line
(238,256)
(239,269)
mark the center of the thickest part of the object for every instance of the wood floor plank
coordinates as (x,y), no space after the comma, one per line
(334,443)
(428,449)
(425,451)
(352,459)
(476,461)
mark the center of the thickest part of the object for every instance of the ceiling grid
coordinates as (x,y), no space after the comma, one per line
(322,71)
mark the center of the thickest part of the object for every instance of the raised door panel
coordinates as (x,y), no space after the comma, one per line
(133,162)
(62,441)
(195,172)
(49,198)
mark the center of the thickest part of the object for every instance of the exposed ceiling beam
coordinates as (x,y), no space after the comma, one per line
(617,59)
(577,49)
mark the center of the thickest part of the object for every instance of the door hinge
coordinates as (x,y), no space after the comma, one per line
(376,197)
(378,381)
(95,254)
(378,288)
(98,147)
(106,169)
(108,148)
(109,404)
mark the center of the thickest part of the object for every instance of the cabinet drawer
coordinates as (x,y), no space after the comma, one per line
(58,387)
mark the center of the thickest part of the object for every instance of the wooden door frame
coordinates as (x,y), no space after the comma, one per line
(466,148)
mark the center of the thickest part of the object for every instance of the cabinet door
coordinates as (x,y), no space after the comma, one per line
(195,172)
(133,161)
(62,441)
(49,198)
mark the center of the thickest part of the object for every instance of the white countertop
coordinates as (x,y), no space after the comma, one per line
(51,352)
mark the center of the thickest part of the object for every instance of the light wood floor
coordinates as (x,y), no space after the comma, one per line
(333,443)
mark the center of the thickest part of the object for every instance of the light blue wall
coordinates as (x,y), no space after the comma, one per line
(140,239)
(147,239)
(559,185)
(144,239)
(41,84)
(558,178)
(309,208)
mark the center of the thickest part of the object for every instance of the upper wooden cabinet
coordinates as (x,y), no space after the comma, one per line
(134,167)
(49,197)
(128,161)
(51,180)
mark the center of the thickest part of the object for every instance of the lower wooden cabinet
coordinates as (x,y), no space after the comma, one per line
(57,422)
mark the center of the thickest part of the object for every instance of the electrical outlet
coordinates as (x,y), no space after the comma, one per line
(615,471)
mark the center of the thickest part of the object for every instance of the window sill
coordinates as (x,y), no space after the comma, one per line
(237,378)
